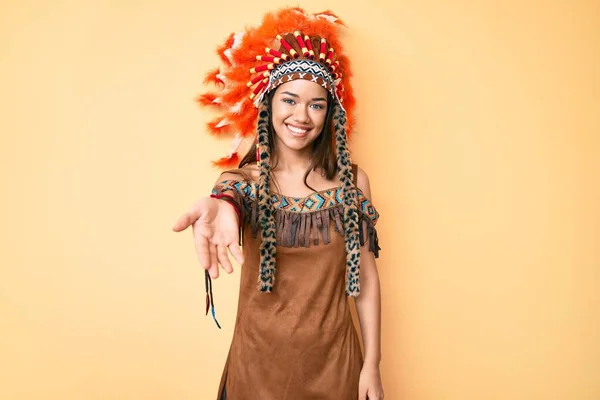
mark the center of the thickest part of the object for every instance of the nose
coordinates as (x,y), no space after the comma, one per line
(301,114)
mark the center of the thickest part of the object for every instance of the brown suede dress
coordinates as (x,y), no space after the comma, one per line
(297,342)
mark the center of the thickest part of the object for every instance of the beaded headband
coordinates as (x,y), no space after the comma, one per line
(299,69)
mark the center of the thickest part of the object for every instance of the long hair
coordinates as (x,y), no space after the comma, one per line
(323,147)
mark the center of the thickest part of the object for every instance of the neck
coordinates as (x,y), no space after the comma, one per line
(288,160)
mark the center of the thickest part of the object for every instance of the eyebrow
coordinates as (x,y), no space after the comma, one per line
(296,96)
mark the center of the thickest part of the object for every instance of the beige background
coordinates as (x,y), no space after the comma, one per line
(478,125)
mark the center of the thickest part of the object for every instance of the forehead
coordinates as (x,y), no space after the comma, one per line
(302,88)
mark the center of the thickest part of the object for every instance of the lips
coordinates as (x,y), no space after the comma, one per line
(297,131)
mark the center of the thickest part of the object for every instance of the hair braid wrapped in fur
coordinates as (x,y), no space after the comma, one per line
(266,217)
(351,219)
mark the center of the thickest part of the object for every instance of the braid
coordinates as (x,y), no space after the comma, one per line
(351,233)
(265,211)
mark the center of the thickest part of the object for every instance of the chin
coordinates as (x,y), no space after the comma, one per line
(294,145)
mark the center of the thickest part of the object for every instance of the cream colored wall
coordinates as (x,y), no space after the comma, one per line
(482,147)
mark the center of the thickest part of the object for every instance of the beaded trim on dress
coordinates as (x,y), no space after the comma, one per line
(296,217)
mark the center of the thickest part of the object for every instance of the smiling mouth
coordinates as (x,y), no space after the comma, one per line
(297,131)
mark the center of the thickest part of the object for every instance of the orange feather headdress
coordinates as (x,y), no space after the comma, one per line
(252,58)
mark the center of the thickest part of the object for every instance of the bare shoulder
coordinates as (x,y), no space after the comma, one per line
(362,182)
(251,171)
(248,172)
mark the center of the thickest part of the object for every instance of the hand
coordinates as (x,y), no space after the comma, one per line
(369,385)
(216,229)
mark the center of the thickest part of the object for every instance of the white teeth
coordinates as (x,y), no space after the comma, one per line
(297,130)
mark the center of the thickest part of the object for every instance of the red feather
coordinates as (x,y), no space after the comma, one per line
(211,76)
(227,45)
(247,107)
(207,99)
(217,131)
(229,162)
(246,124)
(241,75)
(235,94)
(329,12)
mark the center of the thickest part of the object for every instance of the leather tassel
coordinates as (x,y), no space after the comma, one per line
(326,225)
(210,298)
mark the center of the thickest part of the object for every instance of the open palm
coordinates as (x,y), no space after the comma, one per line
(216,230)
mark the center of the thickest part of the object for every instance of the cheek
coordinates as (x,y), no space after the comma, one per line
(318,118)
(275,113)
(277,118)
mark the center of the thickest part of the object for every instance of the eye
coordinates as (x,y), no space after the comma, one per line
(318,106)
(289,101)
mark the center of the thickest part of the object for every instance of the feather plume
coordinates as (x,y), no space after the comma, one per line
(228,162)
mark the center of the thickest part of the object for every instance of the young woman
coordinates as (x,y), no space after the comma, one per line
(301,211)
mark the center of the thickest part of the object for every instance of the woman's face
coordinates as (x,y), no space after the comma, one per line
(299,108)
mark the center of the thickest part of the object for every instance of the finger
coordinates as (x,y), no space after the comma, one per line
(214,265)
(202,250)
(362,394)
(186,220)
(224,259)
(236,252)
(182,223)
